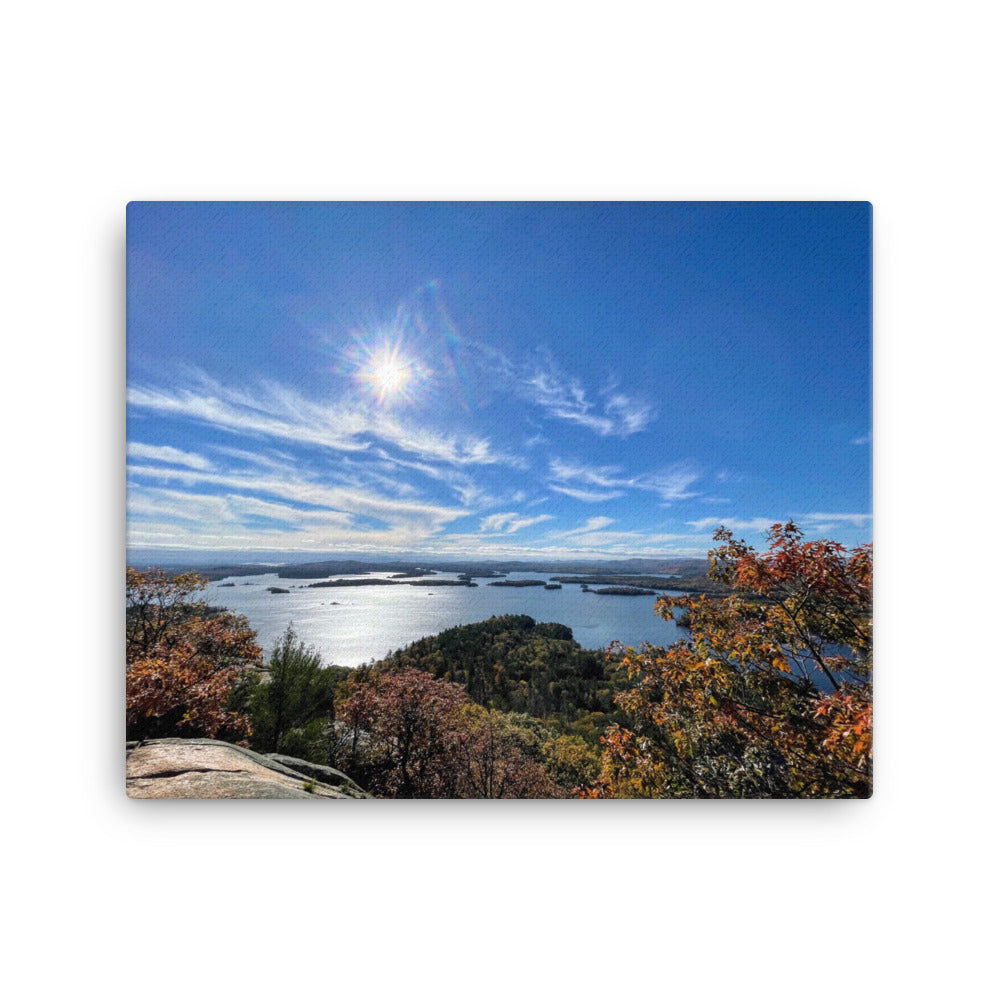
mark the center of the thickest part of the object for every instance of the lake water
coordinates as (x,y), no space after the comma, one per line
(353,625)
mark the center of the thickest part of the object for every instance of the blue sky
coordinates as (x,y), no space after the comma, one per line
(507,380)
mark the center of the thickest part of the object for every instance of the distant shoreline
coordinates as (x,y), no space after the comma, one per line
(603,584)
(666,567)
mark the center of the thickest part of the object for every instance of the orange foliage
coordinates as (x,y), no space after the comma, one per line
(180,662)
(737,709)
(423,738)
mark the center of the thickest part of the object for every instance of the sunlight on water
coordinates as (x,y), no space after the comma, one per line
(352,625)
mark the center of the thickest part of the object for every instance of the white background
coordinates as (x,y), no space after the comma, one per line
(891,103)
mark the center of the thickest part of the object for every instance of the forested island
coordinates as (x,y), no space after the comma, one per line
(400,581)
(623,591)
(514,708)
(696,583)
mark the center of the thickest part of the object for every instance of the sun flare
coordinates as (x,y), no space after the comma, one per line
(388,373)
(389,376)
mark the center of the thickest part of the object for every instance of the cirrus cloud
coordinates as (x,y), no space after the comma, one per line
(507,524)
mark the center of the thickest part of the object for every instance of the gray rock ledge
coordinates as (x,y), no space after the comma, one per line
(213,769)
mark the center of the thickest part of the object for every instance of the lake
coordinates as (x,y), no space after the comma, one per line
(353,625)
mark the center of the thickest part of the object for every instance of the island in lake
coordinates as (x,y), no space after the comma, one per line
(623,591)
(393,582)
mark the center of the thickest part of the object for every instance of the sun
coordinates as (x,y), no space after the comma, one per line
(389,375)
(387,372)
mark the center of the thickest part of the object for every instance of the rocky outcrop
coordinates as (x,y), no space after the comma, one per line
(319,772)
(212,769)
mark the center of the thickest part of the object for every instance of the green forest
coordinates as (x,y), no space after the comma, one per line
(769,694)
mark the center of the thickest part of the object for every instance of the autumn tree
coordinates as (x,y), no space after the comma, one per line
(409,737)
(413,736)
(770,696)
(500,759)
(181,659)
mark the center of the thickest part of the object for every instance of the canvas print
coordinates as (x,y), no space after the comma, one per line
(499,500)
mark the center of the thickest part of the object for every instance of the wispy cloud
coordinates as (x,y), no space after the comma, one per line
(279,539)
(177,505)
(162,517)
(603,475)
(597,545)
(864,439)
(669,484)
(592,535)
(470,493)
(278,412)
(273,415)
(304,493)
(587,496)
(508,523)
(164,453)
(631,415)
(384,488)
(592,524)
(272,514)
(270,460)
(228,508)
(563,397)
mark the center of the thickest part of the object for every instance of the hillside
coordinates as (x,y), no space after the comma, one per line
(515,664)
